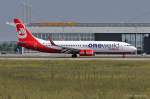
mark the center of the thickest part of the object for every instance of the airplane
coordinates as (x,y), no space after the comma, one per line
(81,48)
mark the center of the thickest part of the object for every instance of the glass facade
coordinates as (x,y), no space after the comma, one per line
(66,36)
(134,39)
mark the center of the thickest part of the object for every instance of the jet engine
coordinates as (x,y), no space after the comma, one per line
(86,52)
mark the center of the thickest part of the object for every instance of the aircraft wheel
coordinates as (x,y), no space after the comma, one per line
(74,55)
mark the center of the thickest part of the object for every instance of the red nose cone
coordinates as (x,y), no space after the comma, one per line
(17,20)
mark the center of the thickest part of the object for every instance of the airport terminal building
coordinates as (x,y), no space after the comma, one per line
(137,34)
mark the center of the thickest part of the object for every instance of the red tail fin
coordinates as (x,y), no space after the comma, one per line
(23,33)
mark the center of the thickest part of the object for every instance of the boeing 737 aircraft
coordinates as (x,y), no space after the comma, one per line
(83,48)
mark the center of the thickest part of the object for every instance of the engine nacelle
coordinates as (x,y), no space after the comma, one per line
(86,52)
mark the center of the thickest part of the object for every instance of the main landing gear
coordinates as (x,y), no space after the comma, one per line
(74,55)
(124,55)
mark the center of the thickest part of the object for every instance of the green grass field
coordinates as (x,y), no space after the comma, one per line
(34,79)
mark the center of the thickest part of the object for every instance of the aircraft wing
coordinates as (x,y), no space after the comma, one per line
(65,50)
(69,50)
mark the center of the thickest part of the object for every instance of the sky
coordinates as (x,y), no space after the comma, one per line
(98,11)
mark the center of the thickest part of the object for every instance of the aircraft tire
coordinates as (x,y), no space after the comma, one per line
(74,55)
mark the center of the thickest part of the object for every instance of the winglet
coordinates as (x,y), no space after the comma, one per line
(51,41)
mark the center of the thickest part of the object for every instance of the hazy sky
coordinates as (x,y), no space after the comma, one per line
(73,10)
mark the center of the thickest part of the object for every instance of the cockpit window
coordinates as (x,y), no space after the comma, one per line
(128,45)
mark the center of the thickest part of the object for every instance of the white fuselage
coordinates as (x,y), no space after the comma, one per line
(97,46)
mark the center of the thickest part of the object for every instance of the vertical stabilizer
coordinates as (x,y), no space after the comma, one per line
(23,33)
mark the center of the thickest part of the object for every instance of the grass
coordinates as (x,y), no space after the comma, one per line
(34,79)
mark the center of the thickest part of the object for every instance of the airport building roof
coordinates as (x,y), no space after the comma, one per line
(74,27)
(75,24)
